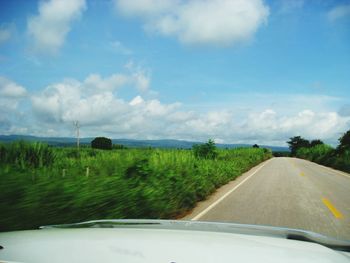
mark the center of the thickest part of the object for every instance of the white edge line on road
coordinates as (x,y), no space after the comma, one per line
(228,193)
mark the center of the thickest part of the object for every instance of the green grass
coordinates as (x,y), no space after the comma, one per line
(326,155)
(127,183)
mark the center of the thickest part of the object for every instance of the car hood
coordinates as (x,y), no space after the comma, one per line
(141,242)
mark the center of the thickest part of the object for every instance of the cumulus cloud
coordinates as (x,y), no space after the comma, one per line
(339,12)
(139,76)
(199,22)
(95,102)
(271,126)
(50,27)
(92,101)
(10,89)
(95,83)
(11,95)
(101,111)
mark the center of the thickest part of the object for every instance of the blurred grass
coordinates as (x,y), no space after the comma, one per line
(42,185)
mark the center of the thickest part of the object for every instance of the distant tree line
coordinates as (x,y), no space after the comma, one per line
(317,151)
(298,142)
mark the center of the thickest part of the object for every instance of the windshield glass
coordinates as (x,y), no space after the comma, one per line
(204,110)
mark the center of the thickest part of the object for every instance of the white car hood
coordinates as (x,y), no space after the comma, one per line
(156,245)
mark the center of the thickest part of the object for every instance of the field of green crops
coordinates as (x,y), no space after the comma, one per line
(42,185)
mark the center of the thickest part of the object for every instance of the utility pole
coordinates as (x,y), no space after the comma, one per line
(77,126)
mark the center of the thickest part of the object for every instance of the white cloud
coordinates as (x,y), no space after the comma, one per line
(51,26)
(136,76)
(339,12)
(200,22)
(139,76)
(267,127)
(136,100)
(10,89)
(95,82)
(6,32)
(218,140)
(95,103)
(11,95)
(270,126)
(103,112)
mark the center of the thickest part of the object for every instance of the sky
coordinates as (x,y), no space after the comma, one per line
(237,71)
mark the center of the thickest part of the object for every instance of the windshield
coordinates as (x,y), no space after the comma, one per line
(204,110)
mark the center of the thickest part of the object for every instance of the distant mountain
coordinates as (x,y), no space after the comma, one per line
(68,141)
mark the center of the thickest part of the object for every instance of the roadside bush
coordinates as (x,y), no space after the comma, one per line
(342,161)
(321,153)
(318,153)
(326,155)
(207,150)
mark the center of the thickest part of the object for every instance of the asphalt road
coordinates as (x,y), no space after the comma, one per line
(285,192)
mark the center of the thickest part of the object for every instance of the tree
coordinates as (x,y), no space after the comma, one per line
(296,143)
(101,143)
(344,142)
(256,146)
(207,150)
(119,146)
(316,142)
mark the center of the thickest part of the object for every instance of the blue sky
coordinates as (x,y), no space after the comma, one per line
(237,71)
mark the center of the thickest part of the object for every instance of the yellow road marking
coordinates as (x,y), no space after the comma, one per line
(334,211)
(302,174)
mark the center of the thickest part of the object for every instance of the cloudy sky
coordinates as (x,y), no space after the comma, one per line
(238,71)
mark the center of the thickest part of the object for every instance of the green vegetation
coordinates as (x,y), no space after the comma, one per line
(321,153)
(119,146)
(344,143)
(65,186)
(207,150)
(25,155)
(296,143)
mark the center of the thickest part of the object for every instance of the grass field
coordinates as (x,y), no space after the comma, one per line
(44,185)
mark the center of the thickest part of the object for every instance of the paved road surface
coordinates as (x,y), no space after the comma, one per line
(286,192)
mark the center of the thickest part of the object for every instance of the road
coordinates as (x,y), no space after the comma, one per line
(287,192)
